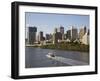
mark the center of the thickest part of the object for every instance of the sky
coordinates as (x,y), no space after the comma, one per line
(47,22)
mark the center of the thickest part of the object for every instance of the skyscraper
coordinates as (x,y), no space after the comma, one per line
(41,38)
(82,32)
(55,30)
(68,34)
(74,33)
(31,34)
(85,39)
(47,37)
(61,29)
(57,36)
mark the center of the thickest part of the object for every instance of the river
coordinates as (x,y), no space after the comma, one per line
(36,57)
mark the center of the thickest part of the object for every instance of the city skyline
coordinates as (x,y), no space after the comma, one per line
(46,22)
(58,35)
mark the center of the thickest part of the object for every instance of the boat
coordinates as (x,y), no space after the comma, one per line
(51,55)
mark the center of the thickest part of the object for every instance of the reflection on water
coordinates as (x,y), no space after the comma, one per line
(36,57)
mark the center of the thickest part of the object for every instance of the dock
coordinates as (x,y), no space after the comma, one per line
(67,60)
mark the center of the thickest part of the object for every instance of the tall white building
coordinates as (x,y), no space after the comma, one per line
(82,32)
(85,39)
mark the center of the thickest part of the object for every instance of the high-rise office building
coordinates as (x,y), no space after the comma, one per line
(41,38)
(31,35)
(61,29)
(55,30)
(74,33)
(85,39)
(88,32)
(82,32)
(47,37)
(57,36)
(37,38)
(68,34)
(51,37)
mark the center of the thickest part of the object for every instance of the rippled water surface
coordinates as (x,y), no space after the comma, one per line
(36,57)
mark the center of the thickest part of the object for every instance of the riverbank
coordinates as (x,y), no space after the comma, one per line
(67,47)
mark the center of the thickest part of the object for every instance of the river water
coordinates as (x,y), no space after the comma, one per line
(36,57)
